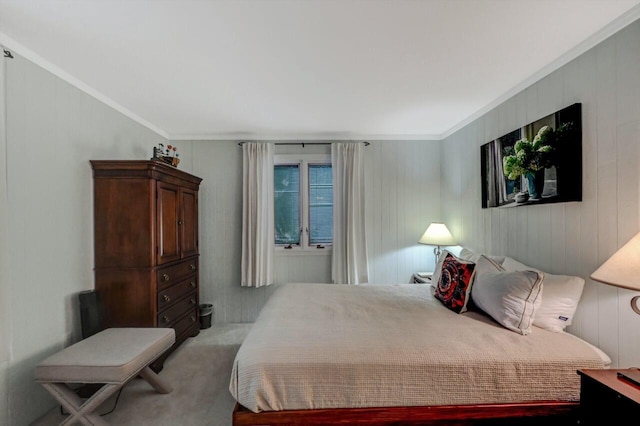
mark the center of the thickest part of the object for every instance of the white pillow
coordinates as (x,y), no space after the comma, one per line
(483,265)
(561,296)
(511,298)
(486,264)
(560,302)
(510,264)
(468,254)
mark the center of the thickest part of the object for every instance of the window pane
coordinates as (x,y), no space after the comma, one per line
(286,186)
(320,204)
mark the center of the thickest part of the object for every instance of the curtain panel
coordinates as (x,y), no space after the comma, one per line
(349,254)
(498,187)
(257,214)
(5,290)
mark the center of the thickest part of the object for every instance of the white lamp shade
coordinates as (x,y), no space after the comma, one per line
(623,268)
(437,234)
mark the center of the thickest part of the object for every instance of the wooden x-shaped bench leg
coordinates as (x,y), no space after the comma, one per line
(79,411)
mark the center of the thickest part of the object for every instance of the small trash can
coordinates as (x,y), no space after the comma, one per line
(206,312)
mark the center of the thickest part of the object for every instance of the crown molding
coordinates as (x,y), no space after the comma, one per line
(30,55)
(605,32)
(297,137)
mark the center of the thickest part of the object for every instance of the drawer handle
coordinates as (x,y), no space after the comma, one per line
(193,301)
(193,284)
(192,267)
(193,319)
(165,277)
(180,222)
(167,298)
(165,319)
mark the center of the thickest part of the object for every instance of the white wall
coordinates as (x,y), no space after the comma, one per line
(403,192)
(403,198)
(53,130)
(572,238)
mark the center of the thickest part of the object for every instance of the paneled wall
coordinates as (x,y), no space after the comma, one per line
(570,238)
(403,197)
(53,130)
(403,181)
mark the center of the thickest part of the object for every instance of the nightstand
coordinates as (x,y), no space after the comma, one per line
(421,278)
(605,396)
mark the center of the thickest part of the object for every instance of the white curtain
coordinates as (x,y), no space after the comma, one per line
(5,290)
(257,214)
(349,254)
(497,184)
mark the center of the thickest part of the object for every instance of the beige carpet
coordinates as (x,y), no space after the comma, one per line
(199,371)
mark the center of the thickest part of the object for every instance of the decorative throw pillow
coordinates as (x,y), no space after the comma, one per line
(510,298)
(438,270)
(454,282)
(561,296)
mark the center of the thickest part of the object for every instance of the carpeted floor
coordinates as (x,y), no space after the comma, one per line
(199,371)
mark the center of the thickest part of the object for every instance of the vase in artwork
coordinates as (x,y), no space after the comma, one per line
(535,183)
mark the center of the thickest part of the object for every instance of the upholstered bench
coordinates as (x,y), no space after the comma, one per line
(111,357)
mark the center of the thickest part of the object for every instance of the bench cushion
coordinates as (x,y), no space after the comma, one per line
(113,355)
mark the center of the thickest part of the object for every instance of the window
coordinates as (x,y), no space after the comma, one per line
(303,191)
(287,203)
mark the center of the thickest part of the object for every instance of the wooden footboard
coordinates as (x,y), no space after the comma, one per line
(493,414)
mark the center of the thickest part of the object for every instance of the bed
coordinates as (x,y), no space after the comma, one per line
(338,354)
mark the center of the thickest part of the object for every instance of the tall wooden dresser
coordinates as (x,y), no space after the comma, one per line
(146,246)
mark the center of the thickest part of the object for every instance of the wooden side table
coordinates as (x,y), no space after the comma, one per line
(605,396)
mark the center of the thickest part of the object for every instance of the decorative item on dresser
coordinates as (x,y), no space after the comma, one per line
(146,246)
(169,154)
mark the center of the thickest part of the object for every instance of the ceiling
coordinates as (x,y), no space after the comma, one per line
(306,69)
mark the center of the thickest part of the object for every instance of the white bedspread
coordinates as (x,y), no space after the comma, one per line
(336,346)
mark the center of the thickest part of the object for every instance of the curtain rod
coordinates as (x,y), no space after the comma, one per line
(303,143)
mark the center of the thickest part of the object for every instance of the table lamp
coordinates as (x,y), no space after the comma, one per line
(623,269)
(437,235)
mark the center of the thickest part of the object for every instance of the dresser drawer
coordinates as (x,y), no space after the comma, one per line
(172,274)
(170,295)
(185,323)
(169,316)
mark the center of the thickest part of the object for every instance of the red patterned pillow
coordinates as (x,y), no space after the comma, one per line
(454,285)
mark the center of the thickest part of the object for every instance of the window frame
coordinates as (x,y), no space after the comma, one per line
(303,161)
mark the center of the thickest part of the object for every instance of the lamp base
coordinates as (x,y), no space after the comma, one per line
(437,252)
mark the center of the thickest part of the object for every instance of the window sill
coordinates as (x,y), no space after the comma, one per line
(280,251)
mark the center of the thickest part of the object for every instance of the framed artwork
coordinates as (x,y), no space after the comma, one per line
(535,164)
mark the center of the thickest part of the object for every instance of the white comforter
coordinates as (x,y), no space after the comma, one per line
(337,346)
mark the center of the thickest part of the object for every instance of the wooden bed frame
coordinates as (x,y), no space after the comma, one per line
(530,413)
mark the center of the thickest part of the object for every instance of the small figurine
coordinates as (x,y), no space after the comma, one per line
(167,155)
